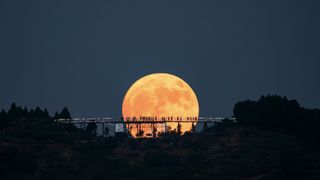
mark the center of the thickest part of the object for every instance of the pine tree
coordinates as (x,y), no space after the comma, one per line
(46,113)
(65,114)
(25,112)
(38,112)
(13,107)
(56,116)
(12,112)
(31,113)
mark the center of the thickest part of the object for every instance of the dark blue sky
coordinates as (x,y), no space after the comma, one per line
(86,54)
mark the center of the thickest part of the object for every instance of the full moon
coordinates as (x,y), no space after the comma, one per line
(160,96)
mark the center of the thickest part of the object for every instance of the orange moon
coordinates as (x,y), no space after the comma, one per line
(160,95)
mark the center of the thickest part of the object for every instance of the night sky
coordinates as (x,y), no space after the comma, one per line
(86,54)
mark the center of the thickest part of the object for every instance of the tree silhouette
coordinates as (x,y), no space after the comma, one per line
(246,112)
(56,115)
(13,112)
(17,115)
(31,113)
(38,112)
(65,114)
(26,113)
(279,113)
(3,120)
(45,112)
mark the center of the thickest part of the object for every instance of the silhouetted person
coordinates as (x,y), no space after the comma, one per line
(179,132)
(140,133)
(154,132)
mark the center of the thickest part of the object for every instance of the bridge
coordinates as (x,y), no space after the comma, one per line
(118,125)
(135,121)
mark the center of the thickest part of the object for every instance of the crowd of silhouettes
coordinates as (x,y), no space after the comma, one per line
(18,113)
(278,113)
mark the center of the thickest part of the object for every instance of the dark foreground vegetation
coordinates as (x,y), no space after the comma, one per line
(38,148)
(279,114)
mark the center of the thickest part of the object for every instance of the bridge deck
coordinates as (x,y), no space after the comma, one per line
(116,121)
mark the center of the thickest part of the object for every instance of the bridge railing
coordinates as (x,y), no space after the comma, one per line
(137,121)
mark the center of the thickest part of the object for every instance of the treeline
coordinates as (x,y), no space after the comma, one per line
(278,113)
(18,113)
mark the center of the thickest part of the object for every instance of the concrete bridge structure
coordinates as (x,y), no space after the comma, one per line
(110,126)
